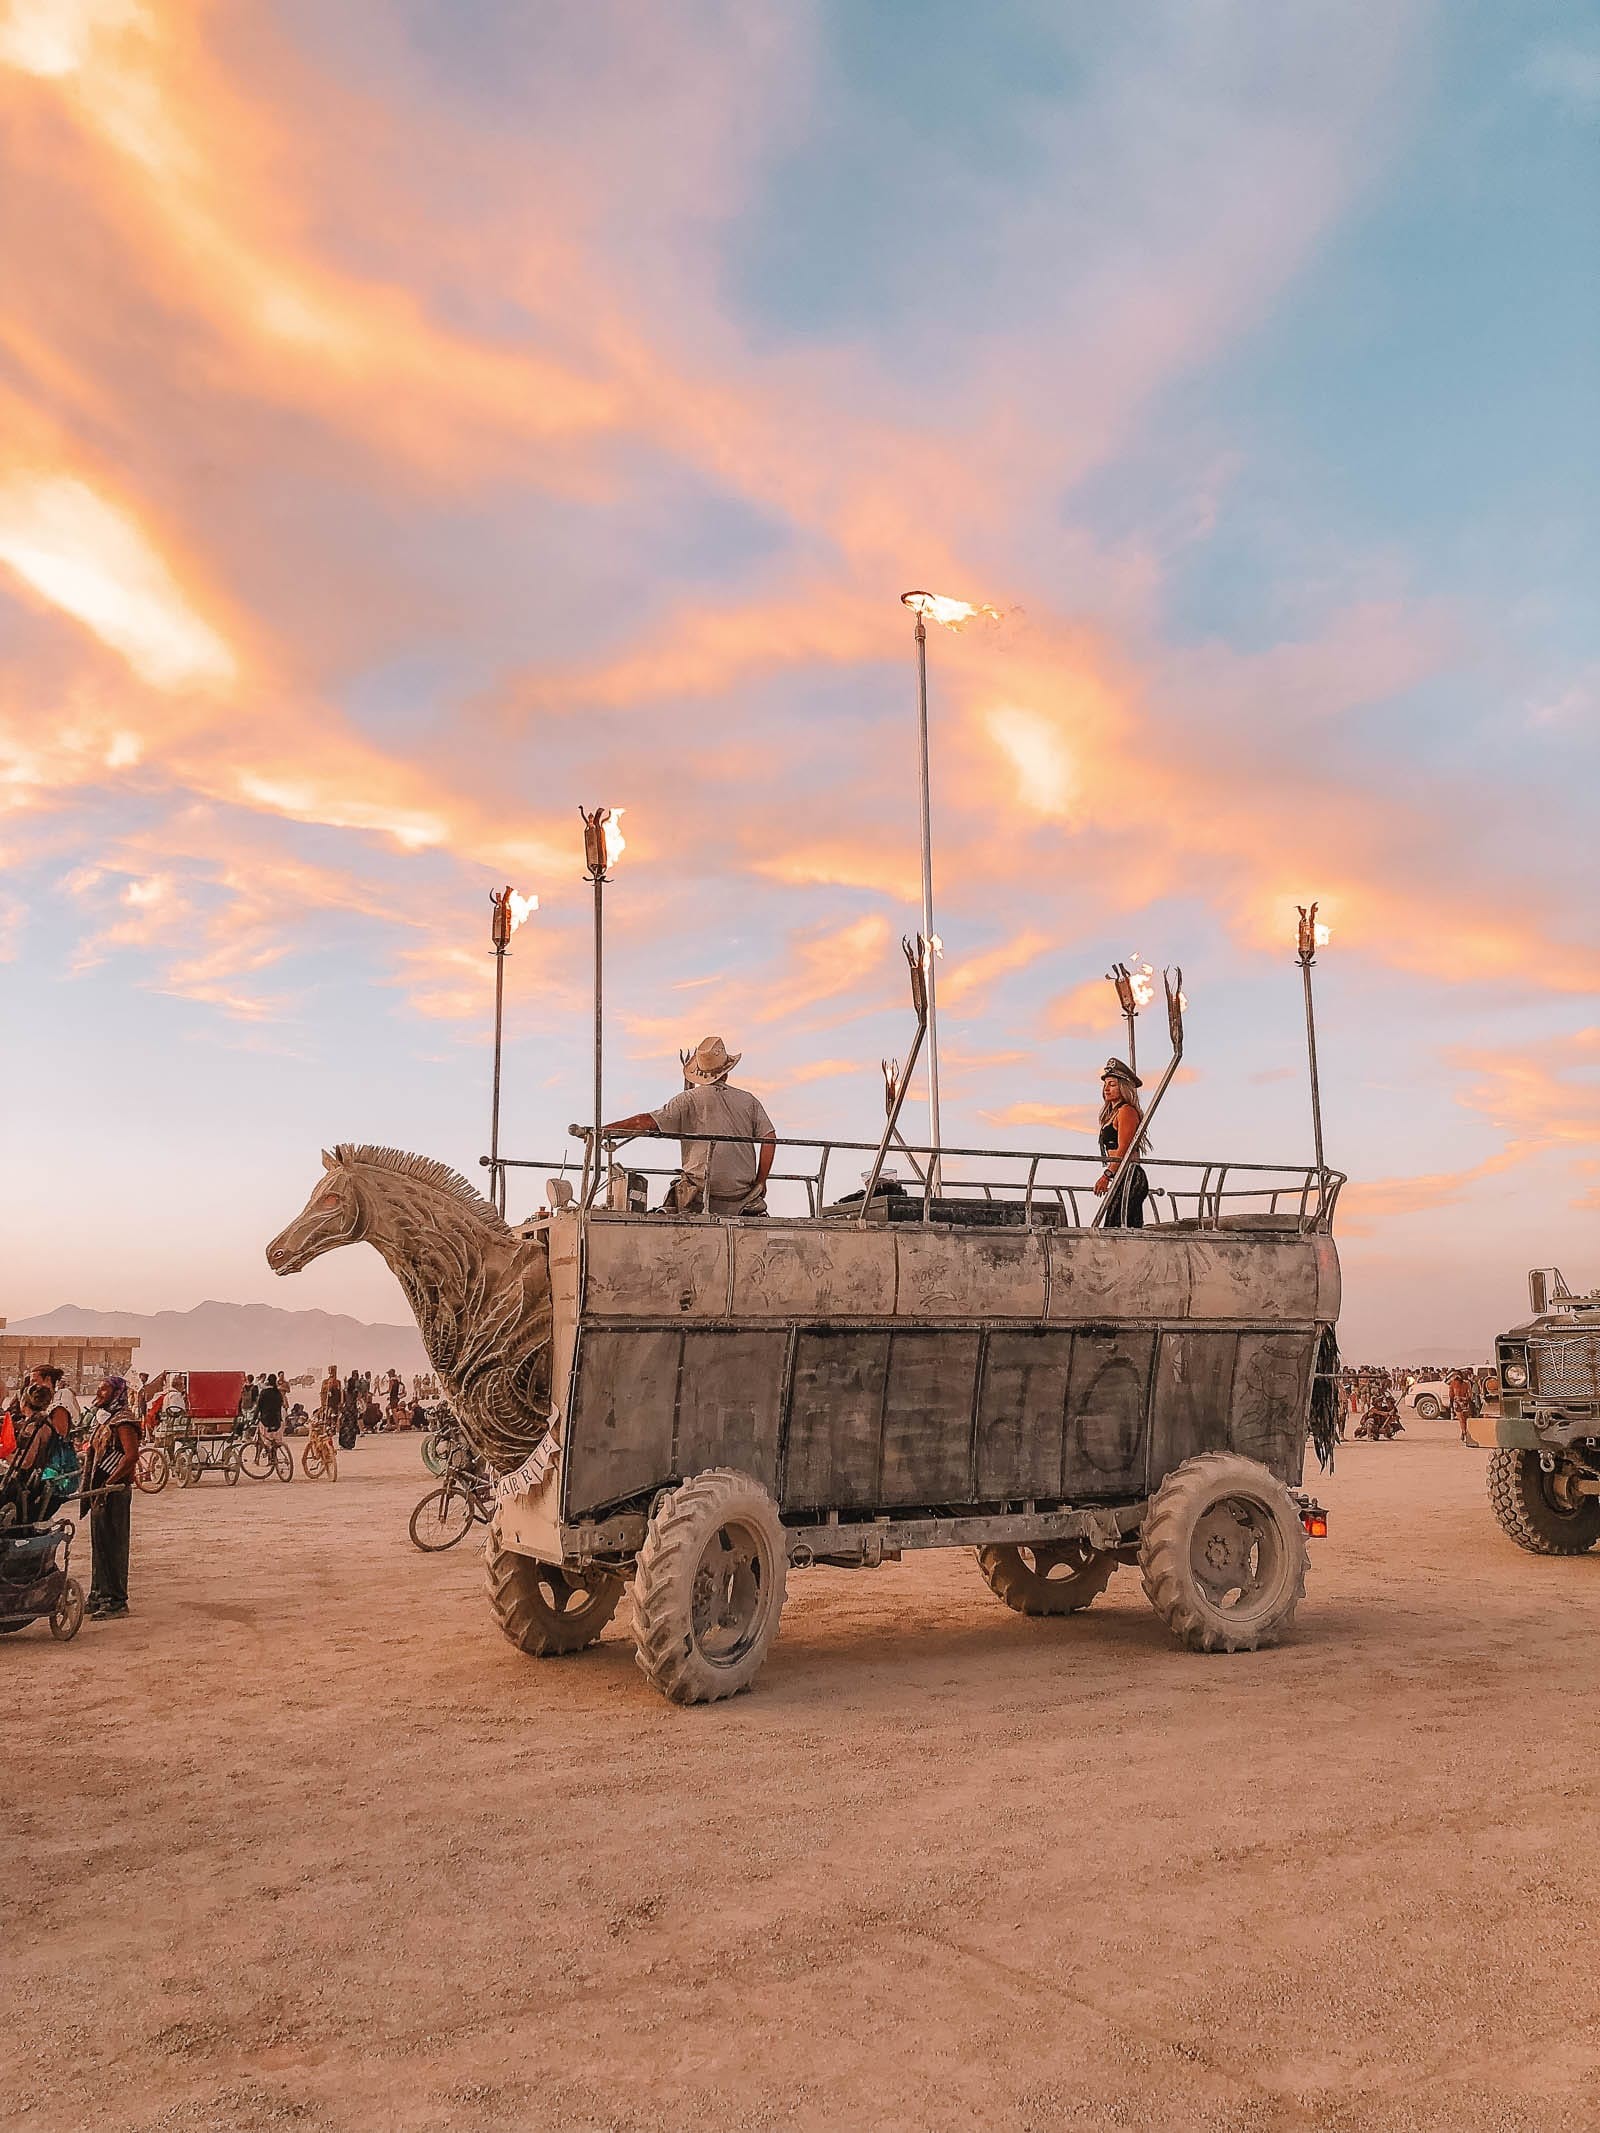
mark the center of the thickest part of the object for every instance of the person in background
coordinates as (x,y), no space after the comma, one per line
(1120,1119)
(63,1400)
(332,1394)
(270,1407)
(247,1404)
(1459,1387)
(108,1490)
(30,1492)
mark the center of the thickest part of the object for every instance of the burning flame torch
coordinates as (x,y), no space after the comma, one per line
(1311,938)
(952,614)
(603,845)
(509,910)
(1135,983)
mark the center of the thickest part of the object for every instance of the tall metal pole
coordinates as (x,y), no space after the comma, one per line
(1133,1056)
(500,940)
(599,1024)
(1307,956)
(496,1176)
(927,901)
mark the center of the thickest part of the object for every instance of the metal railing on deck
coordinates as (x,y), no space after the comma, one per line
(1208,1193)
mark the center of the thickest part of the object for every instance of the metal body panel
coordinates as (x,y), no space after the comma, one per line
(1100,1275)
(1022,1414)
(660,1269)
(970,1274)
(801,1270)
(921,1373)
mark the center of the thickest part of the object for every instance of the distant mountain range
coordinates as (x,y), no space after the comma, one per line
(229,1336)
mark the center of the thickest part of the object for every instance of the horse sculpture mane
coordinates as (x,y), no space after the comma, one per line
(425,1169)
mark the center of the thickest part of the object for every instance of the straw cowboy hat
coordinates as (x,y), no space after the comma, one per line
(1115,1068)
(709,1061)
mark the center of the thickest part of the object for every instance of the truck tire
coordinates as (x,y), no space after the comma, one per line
(1223,1554)
(1528,1503)
(709,1588)
(546,1611)
(1054,1578)
(1428,1407)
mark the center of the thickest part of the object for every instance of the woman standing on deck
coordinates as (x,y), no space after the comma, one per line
(1120,1119)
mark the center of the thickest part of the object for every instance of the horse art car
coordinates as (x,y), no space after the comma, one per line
(697,1405)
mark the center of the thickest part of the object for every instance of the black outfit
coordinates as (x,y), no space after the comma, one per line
(110,1531)
(111,1512)
(1131,1190)
(269,1407)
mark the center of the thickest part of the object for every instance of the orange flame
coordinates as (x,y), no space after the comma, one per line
(519,906)
(1141,979)
(616,843)
(1324,934)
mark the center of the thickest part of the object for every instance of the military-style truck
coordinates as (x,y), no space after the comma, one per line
(1544,1467)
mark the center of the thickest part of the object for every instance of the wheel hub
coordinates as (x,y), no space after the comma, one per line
(726,1601)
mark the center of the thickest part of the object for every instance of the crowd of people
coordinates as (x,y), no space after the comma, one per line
(1371,1396)
(56,1445)
(52,1447)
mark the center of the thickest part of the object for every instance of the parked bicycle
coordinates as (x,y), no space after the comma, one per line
(319,1460)
(463,1499)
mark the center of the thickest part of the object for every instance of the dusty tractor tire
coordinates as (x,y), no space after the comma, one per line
(709,1587)
(1528,1503)
(1223,1554)
(547,1612)
(1428,1408)
(1054,1578)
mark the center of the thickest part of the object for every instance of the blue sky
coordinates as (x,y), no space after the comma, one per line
(420,421)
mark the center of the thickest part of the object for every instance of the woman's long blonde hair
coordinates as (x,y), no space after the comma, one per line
(1129,1095)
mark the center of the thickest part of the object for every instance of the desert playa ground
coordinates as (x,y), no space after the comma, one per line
(306,1844)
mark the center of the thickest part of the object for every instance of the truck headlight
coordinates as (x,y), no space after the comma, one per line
(1514,1374)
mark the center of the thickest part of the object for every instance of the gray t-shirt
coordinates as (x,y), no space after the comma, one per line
(726,1171)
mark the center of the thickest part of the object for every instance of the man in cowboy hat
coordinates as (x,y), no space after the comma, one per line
(727,1175)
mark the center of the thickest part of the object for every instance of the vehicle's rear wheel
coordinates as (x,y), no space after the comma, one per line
(1223,1554)
(1054,1578)
(283,1462)
(233,1465)
(183,1466)
(1429,1408)
(709,1588)
(1539,1511)
(546,1611)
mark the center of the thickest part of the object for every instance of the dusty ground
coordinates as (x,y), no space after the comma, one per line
(305,1843)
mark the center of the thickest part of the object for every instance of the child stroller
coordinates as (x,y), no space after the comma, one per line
(35,1585)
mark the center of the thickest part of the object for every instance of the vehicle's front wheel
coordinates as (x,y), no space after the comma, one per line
(67,1619)
(1223,1554)
(709,1588)
(1055,1578)
(1540,1511)
(1429,1408)
(150,1475)
(546,1611)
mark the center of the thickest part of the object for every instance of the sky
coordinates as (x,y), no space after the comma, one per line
(422,418)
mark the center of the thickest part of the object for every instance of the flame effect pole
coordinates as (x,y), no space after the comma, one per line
(599,1024)
(934,1178)
(1307,956)
(500,937)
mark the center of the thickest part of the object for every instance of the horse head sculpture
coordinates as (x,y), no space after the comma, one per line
(479,1293)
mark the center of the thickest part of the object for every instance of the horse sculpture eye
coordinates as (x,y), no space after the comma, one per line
(331,1201)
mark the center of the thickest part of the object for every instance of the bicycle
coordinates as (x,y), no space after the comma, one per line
(260,1455)
(153,1470)
(320,1458)
(447,1514)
